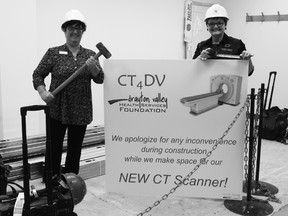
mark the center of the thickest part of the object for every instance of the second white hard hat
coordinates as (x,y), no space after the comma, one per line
(74,15)
(215,11)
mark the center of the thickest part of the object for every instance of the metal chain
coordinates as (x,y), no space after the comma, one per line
(255,131)
(255,136)
(214,147)
(246,141)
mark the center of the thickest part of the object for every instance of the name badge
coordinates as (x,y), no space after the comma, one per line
(63,52)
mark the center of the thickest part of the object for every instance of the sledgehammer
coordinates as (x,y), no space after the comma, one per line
(102,51)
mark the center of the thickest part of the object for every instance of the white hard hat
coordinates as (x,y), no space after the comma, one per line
(216,10)
(73,15)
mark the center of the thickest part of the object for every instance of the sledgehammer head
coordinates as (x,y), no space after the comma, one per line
(103,51)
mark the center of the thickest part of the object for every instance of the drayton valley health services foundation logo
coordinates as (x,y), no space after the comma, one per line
(142,104)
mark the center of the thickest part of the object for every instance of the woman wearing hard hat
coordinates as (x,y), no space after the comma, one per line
(71,108)
(216,19)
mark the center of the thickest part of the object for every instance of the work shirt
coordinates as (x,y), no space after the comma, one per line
(73,104)
(228,46)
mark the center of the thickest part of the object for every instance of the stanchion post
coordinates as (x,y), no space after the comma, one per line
(257,184)
(260,133)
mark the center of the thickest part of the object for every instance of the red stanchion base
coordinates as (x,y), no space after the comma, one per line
(254,207)
(255,188)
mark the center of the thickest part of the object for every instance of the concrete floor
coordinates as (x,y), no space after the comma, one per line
(274,170)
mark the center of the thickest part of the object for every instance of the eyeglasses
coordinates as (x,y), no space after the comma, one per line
(73,28)
(218,24)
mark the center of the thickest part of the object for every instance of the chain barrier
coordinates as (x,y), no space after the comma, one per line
(258,186)
(255,136)
(255,131)
(246,140)
(202,160)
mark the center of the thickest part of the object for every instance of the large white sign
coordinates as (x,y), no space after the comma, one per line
(163,119)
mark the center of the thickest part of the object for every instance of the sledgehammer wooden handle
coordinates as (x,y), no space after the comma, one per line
(102,51)
(70,79)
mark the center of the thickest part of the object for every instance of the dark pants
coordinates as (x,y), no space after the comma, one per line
(75,136)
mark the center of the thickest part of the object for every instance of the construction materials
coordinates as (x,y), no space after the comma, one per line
(92,160)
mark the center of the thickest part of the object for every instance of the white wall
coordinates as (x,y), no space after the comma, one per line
(17,59)
(1,113)
(267,41)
